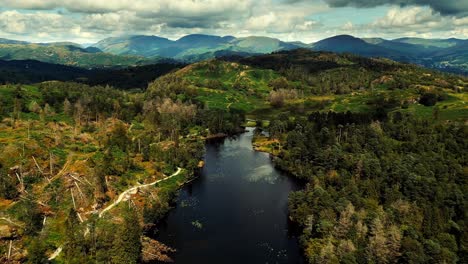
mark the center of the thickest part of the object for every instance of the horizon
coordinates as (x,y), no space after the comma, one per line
(288,20)
(222,36)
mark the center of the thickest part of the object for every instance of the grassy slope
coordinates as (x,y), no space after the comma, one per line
(35,136)
(237,86)
(253,98)
(66,55)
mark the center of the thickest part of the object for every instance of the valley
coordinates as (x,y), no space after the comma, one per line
(449,55)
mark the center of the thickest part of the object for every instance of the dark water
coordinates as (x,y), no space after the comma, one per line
(236,212)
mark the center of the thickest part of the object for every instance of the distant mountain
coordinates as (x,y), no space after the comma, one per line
(58,44)
(191,47)
(454,59)
(261,45)
(70,55)
(10,41)
(448,55)
(133,45)
(400,48)
(437,43)
(199,40)
(346,43)
(444,54)
(92,50)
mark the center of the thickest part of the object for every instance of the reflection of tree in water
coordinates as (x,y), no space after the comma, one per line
(263,173)
(272,253)
(189,202)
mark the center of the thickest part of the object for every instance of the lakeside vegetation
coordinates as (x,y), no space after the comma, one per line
(385,167)
(69,149)
(378,191)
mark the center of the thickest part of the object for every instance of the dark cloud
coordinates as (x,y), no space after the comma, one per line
(444,7)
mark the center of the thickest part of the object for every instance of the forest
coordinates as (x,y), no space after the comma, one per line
(378,191)
(380,147)
(68,149)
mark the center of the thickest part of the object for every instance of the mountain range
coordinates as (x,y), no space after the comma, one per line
(443,54)
(446,54)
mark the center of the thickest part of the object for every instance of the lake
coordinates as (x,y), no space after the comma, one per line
(235,212)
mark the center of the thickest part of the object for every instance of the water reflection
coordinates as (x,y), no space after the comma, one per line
(263,173)
(236,212)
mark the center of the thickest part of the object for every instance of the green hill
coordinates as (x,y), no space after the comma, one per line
(448,55)
(67,55)
(193,47)
(439,43)
(442,54)
(9,41)
(320,81)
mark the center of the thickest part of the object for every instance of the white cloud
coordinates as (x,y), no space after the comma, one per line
(180,7)
(408,17)
(19,23)
(409,21)
(92,20)
(98,19)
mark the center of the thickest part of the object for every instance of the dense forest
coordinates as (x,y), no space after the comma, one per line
(378,191)
(31,71)
(383,185)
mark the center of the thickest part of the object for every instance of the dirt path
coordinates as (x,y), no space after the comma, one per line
(122,197)
(55,254)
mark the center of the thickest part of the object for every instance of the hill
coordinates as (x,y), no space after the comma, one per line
(9,41)
(346,43)
(368,136)
(319,81)
(133,45)
(438,43)
(70,55)
(446,55)
(58,192)
(191,47)
(197,47)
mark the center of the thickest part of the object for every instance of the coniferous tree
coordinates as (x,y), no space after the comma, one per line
(126,247)
(74,248)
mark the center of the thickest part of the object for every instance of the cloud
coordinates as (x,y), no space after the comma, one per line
(444,7)
(17,23)
(178,14)
(279,22)
(169,7)
(411,22)
(409,17)
(99,19)
(289,20)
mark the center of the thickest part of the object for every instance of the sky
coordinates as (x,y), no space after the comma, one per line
(88,21)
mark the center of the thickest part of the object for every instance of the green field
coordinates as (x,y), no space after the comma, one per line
(224,85)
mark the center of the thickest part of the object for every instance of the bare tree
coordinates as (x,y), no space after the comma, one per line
(174,115)
(67,107)
(277,97)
